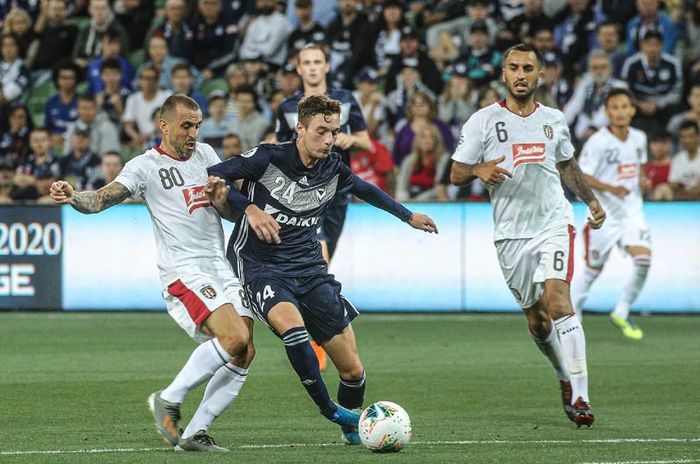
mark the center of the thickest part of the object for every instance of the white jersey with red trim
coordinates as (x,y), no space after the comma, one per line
(619,163)
(533,200)
(186,225)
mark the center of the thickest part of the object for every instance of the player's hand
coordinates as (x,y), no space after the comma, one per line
(264,225)
(490,174)
(344,141)
(597,216)
(619,191)
(217,190)
(61,192)
(422,222)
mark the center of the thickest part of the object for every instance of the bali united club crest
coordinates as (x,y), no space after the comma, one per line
(548,131)
(208,292)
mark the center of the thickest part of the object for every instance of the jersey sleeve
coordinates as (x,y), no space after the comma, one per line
(250,165)
(133,177)
(371,194)
(356,121)
(470,145)
(565,149)
(588,160)
(212,157)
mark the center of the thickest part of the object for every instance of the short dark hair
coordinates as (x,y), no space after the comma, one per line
(87,97)
(248,89)
(614,92)
(315,46)
(167,110)
(522,47)
(113,153)
(653,34)
(111,63)
(312,105)
(689,124)
(609,22)
(111,35)
(660,135)
(181,67)
(66,65)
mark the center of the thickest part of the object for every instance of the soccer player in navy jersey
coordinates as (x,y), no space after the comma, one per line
(313,67)
(274,250)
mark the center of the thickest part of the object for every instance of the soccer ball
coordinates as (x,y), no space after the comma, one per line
(385,427)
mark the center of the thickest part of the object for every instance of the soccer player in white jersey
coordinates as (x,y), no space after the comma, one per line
(612,161)
(522,150)
(201,291)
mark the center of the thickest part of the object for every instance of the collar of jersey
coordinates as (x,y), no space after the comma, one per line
(502,103)
(163,152)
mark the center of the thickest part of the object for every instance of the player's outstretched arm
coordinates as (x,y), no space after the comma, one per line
(377,198)
(489,172)
(62,193)
(575,180)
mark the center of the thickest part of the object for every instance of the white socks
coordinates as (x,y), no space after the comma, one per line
(204,361)
(581,285)
(221,390)
(634,285)
(573,346)
(552,349)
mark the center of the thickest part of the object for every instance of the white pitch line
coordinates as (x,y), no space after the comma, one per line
(414,443)
(676,461)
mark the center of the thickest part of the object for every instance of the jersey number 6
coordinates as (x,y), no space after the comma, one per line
(501,133)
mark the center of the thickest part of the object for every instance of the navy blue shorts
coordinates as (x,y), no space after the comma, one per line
(333,221)
(325,311)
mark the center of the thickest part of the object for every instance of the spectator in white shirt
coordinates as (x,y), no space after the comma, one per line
(138,124)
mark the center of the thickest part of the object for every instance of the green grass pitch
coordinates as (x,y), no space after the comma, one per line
(74,387)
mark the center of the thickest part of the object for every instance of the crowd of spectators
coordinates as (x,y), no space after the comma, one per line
(82,81)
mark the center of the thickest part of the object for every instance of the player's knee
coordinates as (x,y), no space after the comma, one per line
(234,341)
(539,328)
(245,357)
(559,306)
(352,372)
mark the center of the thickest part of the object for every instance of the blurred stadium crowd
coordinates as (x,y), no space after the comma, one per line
(81,81)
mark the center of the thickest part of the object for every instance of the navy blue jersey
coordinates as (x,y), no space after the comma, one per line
(276,181)
(351,119)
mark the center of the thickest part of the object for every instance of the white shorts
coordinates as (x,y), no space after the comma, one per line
(527,263)
(193,297)
(599,242)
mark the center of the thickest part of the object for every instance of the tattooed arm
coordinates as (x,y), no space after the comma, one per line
(62,193)
(573,178)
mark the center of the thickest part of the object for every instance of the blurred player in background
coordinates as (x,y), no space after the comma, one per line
(200,290)
(274,248)
(533,229)
(313,67)
(612,161)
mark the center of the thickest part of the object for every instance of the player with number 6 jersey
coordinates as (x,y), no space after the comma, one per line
(612,160)
(522,150)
